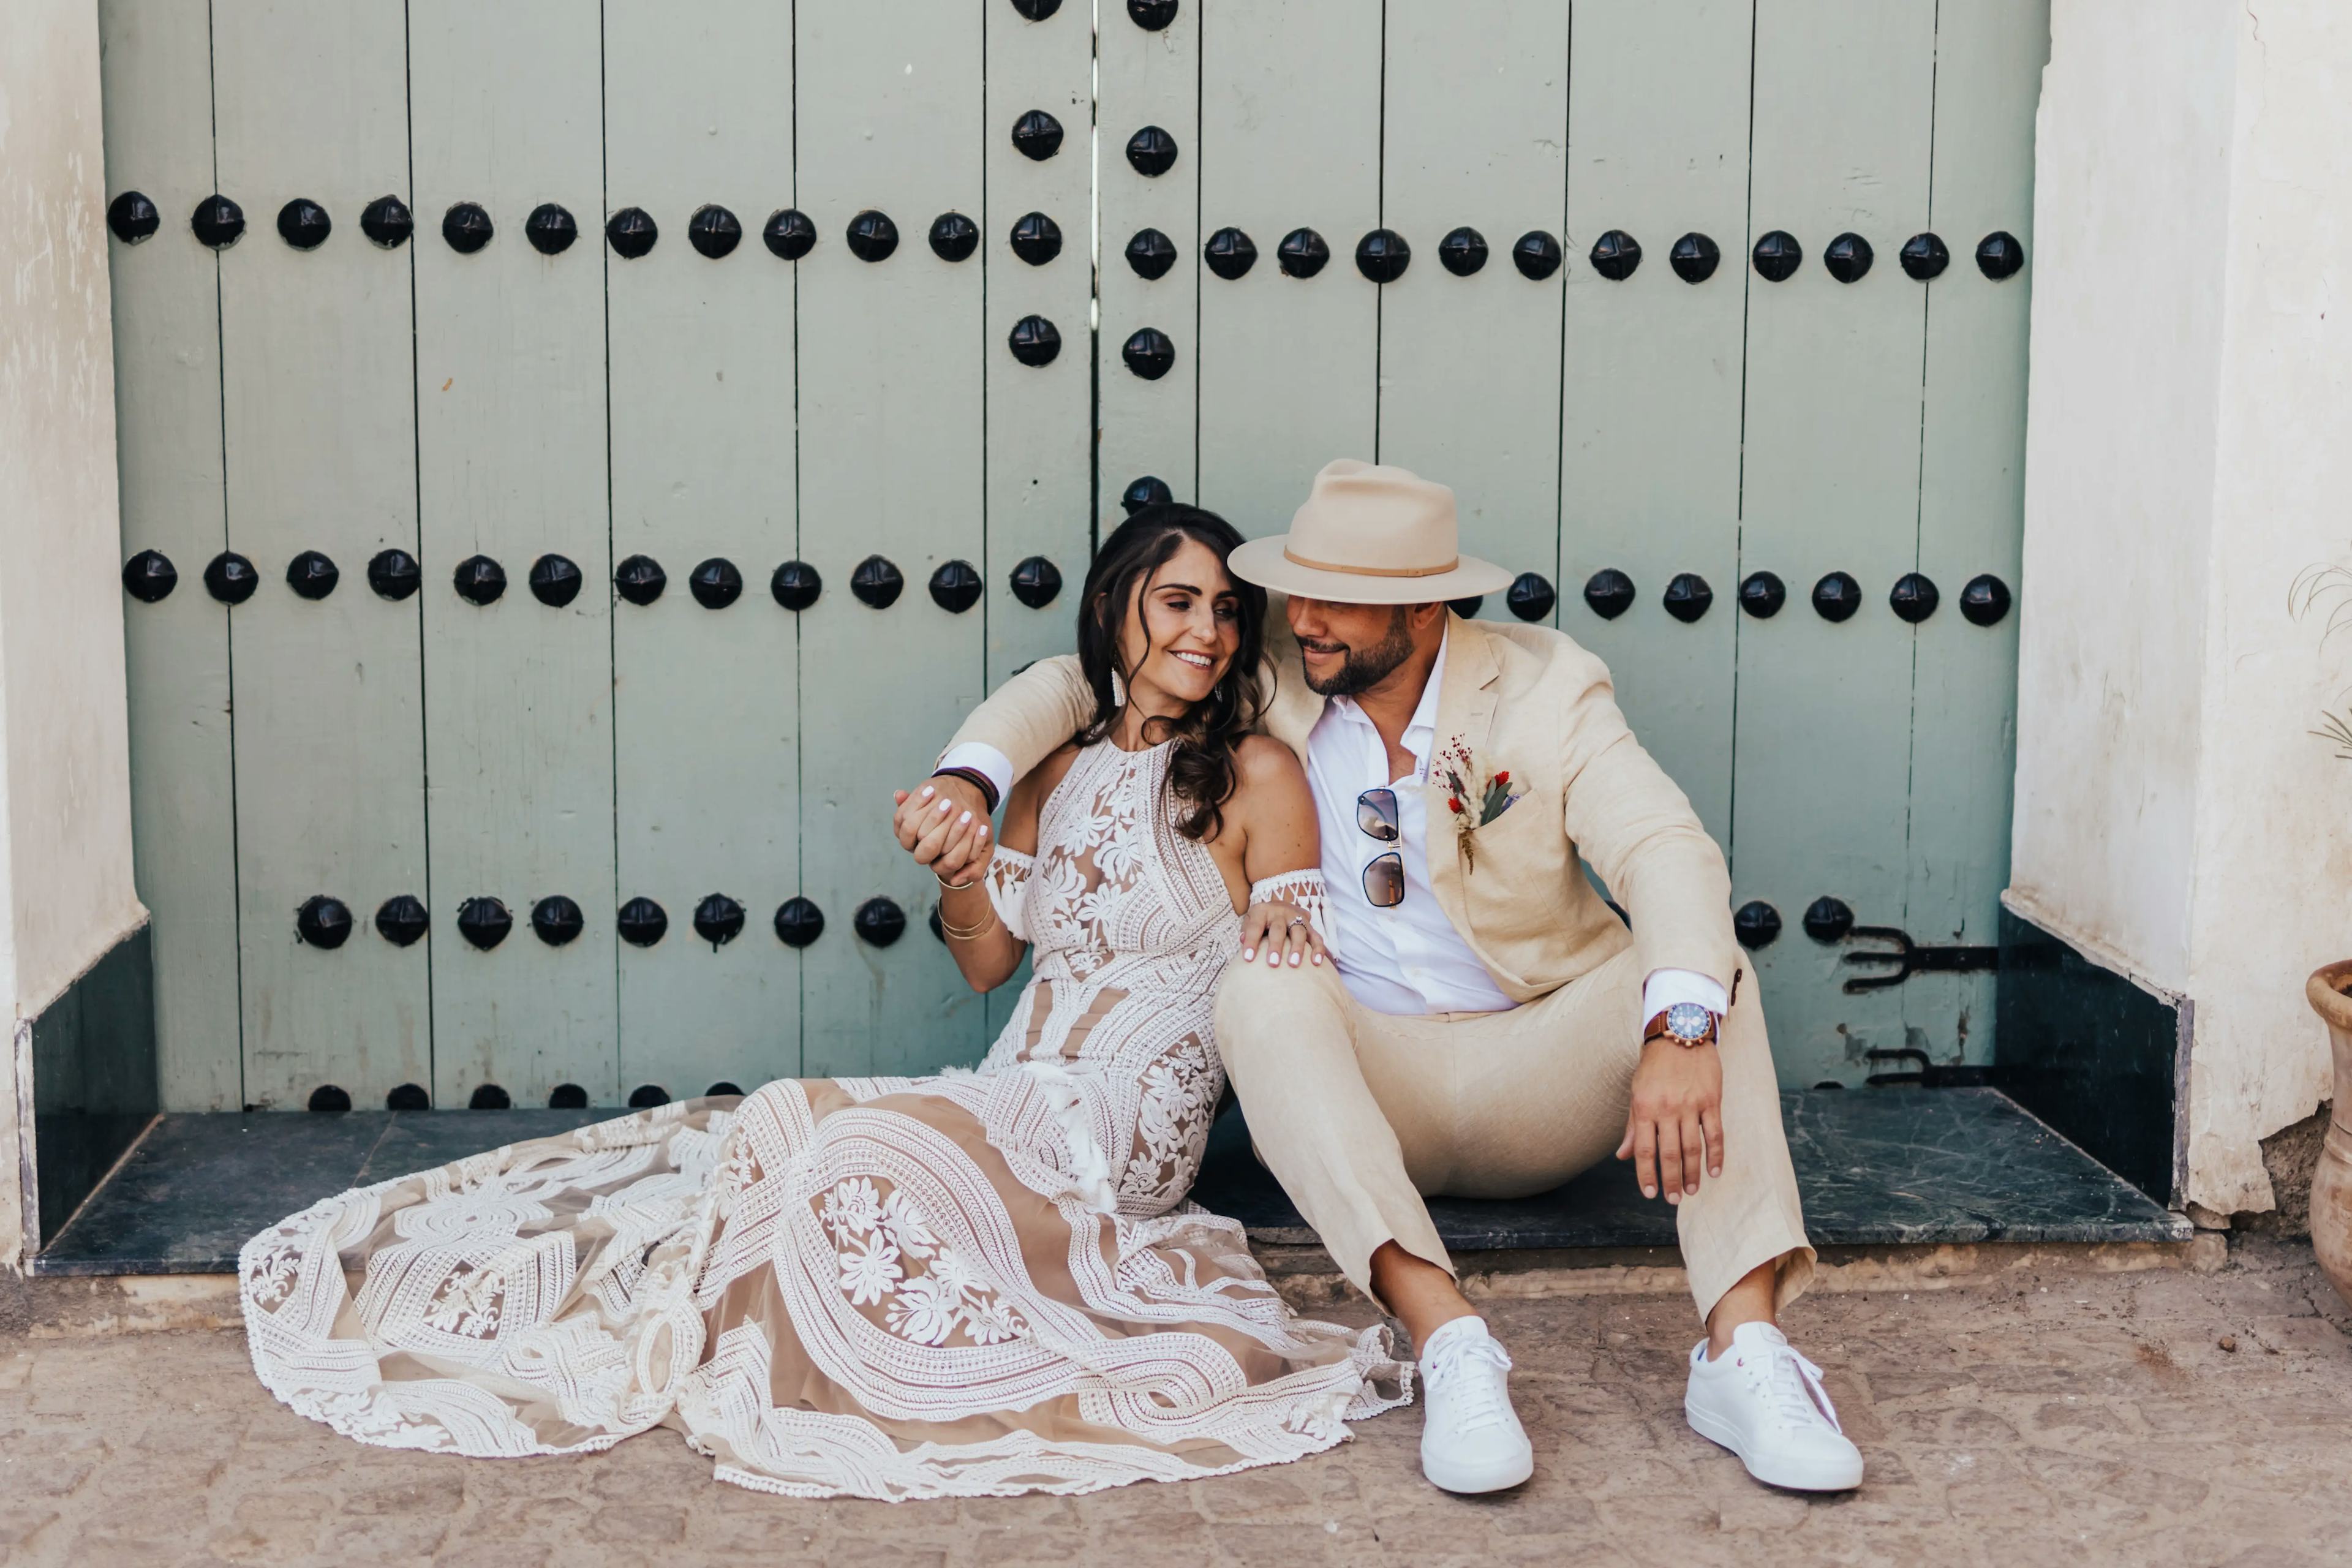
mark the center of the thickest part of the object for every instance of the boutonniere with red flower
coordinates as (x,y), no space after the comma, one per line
(1471,805)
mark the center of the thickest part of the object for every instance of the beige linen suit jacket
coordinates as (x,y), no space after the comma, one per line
(1525,698)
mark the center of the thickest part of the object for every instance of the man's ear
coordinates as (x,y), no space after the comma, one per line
(1421,617)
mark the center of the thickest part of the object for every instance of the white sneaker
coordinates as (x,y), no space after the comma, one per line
(1471,1439)
(1765,1402)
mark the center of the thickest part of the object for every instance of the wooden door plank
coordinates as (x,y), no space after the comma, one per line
(1831,484)
(154,59)
(893,357)
(320,391)
(706,758)
(506,106)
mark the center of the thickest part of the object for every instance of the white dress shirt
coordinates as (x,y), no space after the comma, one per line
(1407,959)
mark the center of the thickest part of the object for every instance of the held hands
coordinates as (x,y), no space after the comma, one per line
(1677,1119)
(944,824)
(1282,932)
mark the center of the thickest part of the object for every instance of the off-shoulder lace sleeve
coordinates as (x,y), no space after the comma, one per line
(1008,888)
(1301,889)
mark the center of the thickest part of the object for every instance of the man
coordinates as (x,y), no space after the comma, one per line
(1493,1028)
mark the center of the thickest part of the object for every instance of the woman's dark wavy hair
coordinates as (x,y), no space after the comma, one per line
(1203,770)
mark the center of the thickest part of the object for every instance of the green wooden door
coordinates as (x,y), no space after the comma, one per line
(609,446)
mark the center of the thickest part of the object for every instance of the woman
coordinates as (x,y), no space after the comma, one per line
(975,1284)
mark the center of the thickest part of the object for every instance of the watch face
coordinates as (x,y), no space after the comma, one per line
(1687,1021)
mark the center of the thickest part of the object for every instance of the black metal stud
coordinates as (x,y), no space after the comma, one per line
(1762,594)
(1383,256)
(408,1096)
(632,233)
(939,928)
(557,920)
(1778,256)
(1536,255)
(1695,258)
(1827,919)
(1151,151)
(640,579)
(1150,254)
(387,222)
(567,1097)
(1615,255)
(872,236)
(1608,593)
(490,1096)
(1151,15)
(642,922)
(954,237)
(1230,253)
(1756,923)
(723,1086)
(1924,257)
(646,1095)
(479,580)
(327,1096)
(1999,254)
(1462,252)
(484,921)
(718,920)
(956,587)
(395,575)
(1837,596)
(1036,10)
(402,919)
(1037,135)
(876,582)
(715,583)
(1848,257)
(1985,600)
(1035,581)
(796,586)
(230,578)
(1036,238)
(1302,254)
(714,231)
(553,229)
(1530,596)
(799,922)
(1148,353)
(789,234)
(879,921)
(1688,596)
(1466,608)
(555,580)
(304,224)
(467,227)
(312,575)
(1034,341)
(1914,597)
(1149,490)
(133,217)
(148,576)
(323,921)
(218,221)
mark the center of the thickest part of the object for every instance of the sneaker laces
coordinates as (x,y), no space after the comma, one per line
(1479,1402)
(1791,1387)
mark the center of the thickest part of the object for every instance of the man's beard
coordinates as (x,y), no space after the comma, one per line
(1365,667)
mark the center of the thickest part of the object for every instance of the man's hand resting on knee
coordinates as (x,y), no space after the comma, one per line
(938,823)
(1677,1122)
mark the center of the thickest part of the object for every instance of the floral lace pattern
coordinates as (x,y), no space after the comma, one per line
(973,1284)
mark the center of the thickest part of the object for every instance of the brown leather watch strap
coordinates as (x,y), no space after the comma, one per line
(1655,1029)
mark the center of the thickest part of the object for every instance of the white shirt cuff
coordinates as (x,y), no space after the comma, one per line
(1667,987)
(997,769)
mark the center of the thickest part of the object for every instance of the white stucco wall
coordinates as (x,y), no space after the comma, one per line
(2188,452)
(66,891)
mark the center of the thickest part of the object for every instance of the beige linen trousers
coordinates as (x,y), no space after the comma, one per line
(1357,1111)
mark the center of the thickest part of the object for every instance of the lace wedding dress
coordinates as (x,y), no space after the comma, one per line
(975,1284)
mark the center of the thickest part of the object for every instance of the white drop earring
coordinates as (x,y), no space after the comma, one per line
(1117,691)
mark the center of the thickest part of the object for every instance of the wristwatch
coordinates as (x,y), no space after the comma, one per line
(1686,1024)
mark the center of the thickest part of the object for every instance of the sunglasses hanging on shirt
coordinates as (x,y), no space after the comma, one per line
(1376,813)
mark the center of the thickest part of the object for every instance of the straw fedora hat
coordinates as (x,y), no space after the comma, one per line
(1369,534)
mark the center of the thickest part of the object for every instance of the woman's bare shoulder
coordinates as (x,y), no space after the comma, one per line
(1266,765)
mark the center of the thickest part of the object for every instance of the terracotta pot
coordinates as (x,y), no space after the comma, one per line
(2330,990)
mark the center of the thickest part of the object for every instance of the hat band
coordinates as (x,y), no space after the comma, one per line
(1297,560)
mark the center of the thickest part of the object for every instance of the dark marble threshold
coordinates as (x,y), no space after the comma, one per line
(1876,1166)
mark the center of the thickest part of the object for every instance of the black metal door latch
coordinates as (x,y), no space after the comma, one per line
(1909,958)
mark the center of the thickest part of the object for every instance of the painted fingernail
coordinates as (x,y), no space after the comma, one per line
(945,807)
(1294,961)
(1649,1192)
(983,830)
(1248,954)
(928,792)
(965,818)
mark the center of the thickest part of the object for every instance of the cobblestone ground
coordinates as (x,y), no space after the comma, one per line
(2060,1417)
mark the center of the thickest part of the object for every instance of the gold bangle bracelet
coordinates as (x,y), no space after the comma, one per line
(968,933)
